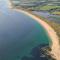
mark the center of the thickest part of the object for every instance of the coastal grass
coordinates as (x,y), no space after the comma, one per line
(48,7)
(44,8)
(56,13)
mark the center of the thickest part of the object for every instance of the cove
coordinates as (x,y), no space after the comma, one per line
(19,34)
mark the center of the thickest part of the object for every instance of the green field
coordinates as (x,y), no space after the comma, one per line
(56,12)
(48,7)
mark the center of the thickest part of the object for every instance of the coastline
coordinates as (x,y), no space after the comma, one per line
(52,34)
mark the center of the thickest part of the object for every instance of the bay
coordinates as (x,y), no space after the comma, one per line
(19,34)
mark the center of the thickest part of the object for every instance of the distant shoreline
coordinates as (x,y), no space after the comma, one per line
(52,34)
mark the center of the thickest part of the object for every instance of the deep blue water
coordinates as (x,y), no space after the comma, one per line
(19,34)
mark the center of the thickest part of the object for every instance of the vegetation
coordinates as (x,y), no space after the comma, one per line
(44,5)
(48,7)
(56,13)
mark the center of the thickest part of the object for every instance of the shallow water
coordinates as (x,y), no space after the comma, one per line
(19,34)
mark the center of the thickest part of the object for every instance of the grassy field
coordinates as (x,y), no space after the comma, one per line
(48,7)
(56,12)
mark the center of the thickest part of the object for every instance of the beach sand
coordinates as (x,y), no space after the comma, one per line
(52,34)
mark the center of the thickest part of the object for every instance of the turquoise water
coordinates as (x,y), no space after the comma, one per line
(19,34)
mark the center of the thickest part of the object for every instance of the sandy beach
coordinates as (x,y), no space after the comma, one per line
(52,34)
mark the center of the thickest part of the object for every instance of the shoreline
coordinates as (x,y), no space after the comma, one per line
(50,31)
